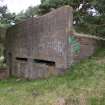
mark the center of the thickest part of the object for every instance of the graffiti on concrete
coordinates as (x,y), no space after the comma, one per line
(55,44)
(75,45)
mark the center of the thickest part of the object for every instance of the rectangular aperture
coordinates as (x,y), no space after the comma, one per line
(21,59)
(40,61)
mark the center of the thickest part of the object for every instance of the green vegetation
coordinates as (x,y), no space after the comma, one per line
(84,84)
(89,15)
(6,18)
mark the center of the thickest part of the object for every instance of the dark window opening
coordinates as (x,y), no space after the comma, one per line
(21,59)
(50,63)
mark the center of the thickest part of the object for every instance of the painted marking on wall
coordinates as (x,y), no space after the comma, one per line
(75,45)
(55,44)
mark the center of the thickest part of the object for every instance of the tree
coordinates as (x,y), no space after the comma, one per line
(89,15)
(80,8)
(6,18)
(30,12)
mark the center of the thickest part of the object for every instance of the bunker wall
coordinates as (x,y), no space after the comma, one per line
(38,47)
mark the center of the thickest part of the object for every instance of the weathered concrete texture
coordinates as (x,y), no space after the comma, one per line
(88,46)
(44,46)
(38,47)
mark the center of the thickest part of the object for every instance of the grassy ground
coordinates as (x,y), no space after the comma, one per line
(84,84)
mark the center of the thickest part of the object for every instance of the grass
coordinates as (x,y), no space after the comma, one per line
(84,84)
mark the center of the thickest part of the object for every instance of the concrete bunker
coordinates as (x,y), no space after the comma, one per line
(44,46)
(39,46)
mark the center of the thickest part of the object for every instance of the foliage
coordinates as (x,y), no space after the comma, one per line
(30,12)
(6,18)
(46,6)
(89,15)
